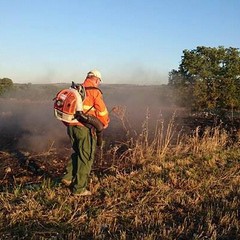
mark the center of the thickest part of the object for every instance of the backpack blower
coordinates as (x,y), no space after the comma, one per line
(66,102)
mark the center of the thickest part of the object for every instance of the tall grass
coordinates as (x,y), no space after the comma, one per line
(186,190)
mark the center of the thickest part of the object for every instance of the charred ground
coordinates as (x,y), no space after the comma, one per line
(34,145)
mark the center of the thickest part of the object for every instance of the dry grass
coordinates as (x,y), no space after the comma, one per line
(185,191)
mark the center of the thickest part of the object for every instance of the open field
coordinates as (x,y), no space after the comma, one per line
(162,173)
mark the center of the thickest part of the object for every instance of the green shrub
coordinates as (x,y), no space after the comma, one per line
(6,84)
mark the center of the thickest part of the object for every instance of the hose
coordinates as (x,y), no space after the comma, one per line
(93,121)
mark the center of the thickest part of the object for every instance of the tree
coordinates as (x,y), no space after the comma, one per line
(6,84)
(181,89)
(210,77)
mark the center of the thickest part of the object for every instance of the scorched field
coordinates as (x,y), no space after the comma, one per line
(162,173)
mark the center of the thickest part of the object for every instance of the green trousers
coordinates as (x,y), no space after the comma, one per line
(79,166)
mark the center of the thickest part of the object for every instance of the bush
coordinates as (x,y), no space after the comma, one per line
(6,84)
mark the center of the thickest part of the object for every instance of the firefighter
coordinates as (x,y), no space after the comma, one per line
(83,138)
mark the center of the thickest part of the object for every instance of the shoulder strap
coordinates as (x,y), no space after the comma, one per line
(91,88)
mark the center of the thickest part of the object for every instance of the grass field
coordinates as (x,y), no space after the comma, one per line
(149,182)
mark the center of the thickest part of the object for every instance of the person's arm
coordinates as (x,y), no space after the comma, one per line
(101,110)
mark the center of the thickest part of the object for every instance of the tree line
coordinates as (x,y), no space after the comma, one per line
(208,78)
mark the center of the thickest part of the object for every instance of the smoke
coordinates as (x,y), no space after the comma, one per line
(30,125)
(27,121)
(41,129)
(137,74)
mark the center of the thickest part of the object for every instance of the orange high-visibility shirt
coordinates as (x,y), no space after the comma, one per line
(94,104)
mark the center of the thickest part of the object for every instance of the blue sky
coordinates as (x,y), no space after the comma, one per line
(129,41)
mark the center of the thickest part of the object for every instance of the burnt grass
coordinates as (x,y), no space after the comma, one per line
(34,145)
(42,156)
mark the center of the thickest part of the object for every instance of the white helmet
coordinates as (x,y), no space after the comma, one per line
(95,73)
